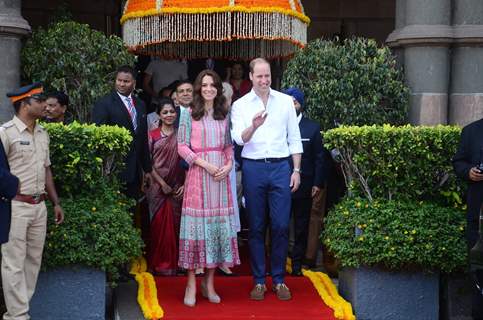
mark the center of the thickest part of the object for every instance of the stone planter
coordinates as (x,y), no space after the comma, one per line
(456,296)
(70,293)
(377,294)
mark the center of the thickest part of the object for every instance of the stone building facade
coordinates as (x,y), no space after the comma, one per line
(439,43)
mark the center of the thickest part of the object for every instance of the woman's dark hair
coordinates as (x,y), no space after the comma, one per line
(164,101)
(219,105)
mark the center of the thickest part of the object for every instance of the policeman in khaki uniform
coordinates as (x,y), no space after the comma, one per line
(26,146)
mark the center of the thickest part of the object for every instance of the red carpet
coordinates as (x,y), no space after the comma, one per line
(305,304)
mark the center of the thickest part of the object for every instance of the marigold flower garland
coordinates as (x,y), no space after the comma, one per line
(214,28)
(147,292)
(328,292)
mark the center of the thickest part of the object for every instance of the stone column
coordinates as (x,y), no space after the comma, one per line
(400,23)
(12,28)
(427,59)
(425,35)
(466,94)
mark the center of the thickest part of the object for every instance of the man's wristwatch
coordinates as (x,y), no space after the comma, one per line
(296,170)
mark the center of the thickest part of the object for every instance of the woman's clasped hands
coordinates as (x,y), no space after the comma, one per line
(218,173)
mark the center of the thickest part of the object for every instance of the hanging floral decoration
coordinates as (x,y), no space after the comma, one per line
(231,29)
(147,291)
(328,292)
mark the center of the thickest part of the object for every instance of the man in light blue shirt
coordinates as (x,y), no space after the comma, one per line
(264,121)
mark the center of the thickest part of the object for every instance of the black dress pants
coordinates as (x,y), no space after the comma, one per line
(301,216)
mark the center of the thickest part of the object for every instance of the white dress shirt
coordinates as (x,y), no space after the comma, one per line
(123,99)
(278,137)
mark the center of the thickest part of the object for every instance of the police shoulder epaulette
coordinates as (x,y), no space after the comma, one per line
(7,125)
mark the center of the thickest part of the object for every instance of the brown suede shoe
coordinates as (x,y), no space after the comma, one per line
(258,292)
(282,291)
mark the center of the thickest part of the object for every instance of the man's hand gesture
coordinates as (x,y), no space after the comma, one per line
(259,119)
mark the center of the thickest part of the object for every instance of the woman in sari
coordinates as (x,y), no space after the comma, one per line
(165,193)
(207,234)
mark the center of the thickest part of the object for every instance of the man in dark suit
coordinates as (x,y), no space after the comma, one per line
(465,163)
(312,179)
(8,190)
(123,109)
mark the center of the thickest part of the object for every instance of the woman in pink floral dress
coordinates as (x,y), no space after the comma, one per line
(207,234)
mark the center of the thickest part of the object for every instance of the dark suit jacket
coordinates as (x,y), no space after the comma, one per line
(8,190)
(314,166)
(110,110)
(468,156)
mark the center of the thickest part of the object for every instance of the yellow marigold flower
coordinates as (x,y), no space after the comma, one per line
(392,248)
(346,213)
(461,228)
(386,238)
(364,225)
(94,209)
(361,238)
(359,226)
(358,204)
(367,206)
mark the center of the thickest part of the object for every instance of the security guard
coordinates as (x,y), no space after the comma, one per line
(26,145)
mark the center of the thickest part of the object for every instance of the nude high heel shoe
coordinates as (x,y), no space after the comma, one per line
(190,302)
(211,298)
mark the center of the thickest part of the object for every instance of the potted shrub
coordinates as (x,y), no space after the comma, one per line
(97,236)
(350,82)
(402,222)
(71,57)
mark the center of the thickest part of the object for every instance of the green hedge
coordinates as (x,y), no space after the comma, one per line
(84,157)
(399,162)
(396,235)
(98,230)
(404,207)
(350,82)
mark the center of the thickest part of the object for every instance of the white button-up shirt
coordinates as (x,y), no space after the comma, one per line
(278,137)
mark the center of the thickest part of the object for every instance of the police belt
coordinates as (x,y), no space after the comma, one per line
(32,199)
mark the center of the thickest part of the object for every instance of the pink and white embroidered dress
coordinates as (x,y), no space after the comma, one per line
(207,232)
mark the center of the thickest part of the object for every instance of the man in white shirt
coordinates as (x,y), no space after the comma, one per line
(264,121)
(161,73)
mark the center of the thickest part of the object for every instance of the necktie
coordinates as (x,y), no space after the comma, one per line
(132,112)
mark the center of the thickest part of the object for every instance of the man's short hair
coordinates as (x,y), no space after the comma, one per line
(61,97)
(181,82)
(126,69)
(256,61)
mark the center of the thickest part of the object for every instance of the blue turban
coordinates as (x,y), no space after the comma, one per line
(297,94)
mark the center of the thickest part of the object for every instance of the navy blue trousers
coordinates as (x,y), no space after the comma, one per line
(267,185)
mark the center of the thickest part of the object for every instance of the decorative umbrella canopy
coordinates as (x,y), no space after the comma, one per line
(230,29)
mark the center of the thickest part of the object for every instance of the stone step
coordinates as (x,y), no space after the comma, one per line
(126,306)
